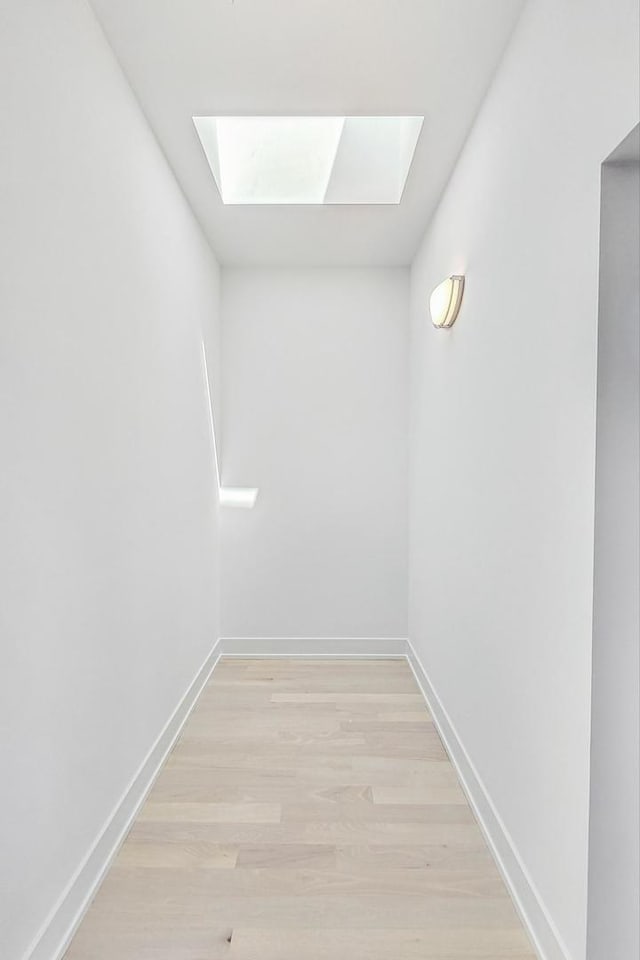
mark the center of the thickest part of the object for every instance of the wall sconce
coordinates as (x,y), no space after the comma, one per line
(445,301)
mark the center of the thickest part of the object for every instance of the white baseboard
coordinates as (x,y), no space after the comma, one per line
(535,916)
(61,924)
(369,647)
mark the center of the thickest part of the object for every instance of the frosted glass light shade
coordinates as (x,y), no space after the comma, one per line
(309,160)
(445,301)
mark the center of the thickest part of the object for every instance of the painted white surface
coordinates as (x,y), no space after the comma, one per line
(538,922)
(614,847)
(69,909)
(108,551)
(243,497)
(315,401)
(320,57)
(366,647)
(503,429)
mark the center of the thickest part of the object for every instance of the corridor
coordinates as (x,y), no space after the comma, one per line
(319,459)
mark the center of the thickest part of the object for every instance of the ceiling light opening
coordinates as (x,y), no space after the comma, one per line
(309,160)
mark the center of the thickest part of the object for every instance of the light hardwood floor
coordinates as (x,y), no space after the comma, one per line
(308,812)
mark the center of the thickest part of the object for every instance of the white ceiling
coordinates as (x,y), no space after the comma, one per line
(431,58)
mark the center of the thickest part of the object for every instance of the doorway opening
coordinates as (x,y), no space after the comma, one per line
(613,928)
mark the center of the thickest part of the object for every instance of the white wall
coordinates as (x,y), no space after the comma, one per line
(315,401)
(108,549)
(614,847)
(502,436)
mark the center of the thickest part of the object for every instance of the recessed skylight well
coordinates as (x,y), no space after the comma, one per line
(309,160)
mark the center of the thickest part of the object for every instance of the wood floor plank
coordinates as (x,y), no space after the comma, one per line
(367,812)
(394,795)
(176,856)
(398,699)
(329,831)
(308,812)
(288,855)
(376,944)
(207,812)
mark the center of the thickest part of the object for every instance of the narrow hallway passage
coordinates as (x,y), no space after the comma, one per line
(308,812)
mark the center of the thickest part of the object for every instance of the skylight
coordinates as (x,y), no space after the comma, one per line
(313,160)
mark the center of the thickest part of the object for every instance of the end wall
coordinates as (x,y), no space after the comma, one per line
(315,399)
(503,437)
